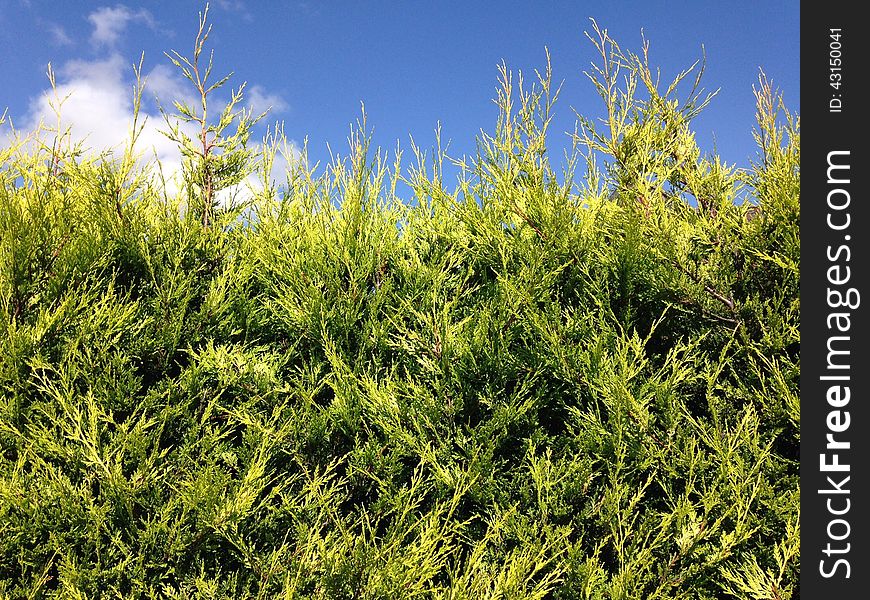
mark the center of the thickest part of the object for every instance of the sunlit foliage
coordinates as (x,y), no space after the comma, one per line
(511,386)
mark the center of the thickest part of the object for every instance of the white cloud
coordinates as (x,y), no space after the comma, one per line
(236,6)
(166,85)
(97,106)
(259,101)
(110,22)
(92,101)
(97,109)
(59,35)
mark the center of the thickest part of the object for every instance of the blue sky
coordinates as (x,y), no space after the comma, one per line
(413,64)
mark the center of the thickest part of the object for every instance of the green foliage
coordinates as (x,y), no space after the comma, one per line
(213,159)
(520,388)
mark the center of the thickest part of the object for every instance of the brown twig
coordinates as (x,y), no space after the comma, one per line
(729,302)
(528,221)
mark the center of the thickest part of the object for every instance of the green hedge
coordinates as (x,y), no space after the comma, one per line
(528,384)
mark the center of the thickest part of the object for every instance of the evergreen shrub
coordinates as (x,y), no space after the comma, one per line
(527,384)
